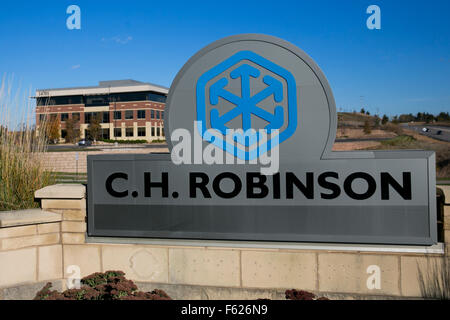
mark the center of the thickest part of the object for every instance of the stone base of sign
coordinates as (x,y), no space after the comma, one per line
(188,292)
(224,293)
(27,291)
(39,245)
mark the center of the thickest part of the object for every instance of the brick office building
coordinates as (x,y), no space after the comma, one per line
(129,109)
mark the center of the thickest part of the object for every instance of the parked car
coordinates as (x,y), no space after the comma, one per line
(53,141)
(425,129)
(85,143)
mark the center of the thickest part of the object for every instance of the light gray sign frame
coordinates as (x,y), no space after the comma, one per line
(99,165)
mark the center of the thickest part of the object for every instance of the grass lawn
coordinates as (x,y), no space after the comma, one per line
(442,150)
(76,149)
(70,177)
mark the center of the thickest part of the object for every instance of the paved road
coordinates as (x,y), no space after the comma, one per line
(63,147)
(432,133)
(361,139)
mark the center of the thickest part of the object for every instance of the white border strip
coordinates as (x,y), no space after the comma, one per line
(434,249)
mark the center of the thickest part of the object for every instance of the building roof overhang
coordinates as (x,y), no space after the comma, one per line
(104,87)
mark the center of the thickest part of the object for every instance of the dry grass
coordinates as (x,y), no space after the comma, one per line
(418,142)
(435,283)
(354,133)
(356,145)
(21,167)
(409,140)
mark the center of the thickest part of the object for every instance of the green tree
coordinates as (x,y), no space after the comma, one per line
(395,120)
(72,129)
(419,116)
(362,111)
(94,128)
(3,130)
(377,121)
(52,129)
(429,118)
(406,118)
(384,120)
(367,129)
(443,117)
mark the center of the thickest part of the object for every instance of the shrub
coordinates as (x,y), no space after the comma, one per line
(443,161)
(294,294)
(367,129)
(435,283)
(392,127)
(109,285)
(131,141)
(399,141)
(124,141)
(21,165)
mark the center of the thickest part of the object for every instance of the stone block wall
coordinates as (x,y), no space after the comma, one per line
(30,251)
(65,161)
(43,250)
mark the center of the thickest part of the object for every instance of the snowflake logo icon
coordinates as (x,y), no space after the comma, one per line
(247,105)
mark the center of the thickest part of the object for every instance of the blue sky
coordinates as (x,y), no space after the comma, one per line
(402,68)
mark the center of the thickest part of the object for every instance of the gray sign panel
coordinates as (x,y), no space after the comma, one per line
(261,83)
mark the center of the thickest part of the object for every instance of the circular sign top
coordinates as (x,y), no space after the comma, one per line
(262,91)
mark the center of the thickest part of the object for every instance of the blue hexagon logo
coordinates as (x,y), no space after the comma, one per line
(279,87)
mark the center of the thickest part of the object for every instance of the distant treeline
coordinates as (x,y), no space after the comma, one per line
(422,117)
(419,117)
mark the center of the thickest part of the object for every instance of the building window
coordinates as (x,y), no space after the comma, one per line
(141,132)
(157,97)
(117,115)
(105,133)
(129,96)
(162,132)
(138,96)
(90,116)
(76,116)
(152,114)
(96,101)
(51,101)
(158,131)
(129,132)
(63,134)
(141,114)
(153,131)
(129,114)
(157,114)
(42,117)
(105,117)
(64,117)
(162,114)
(117,132)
